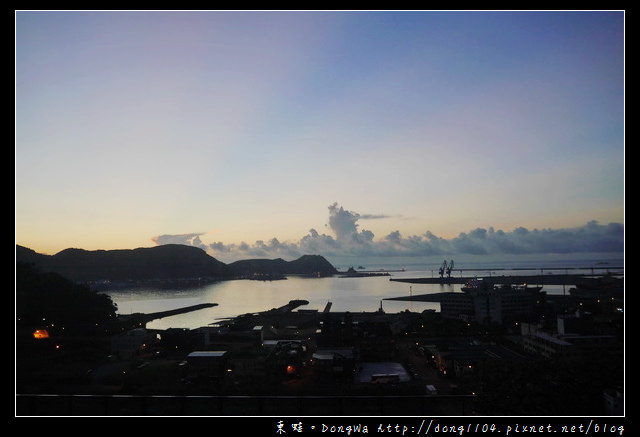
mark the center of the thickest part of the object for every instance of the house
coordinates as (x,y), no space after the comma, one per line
(132,343)
(335,362)
(207,364)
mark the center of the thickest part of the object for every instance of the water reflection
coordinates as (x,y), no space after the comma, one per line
(245,296)
(346,294)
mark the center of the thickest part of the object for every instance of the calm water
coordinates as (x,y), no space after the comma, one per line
(345,294)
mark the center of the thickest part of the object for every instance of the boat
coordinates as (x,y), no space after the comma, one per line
(521,287)
(475,285)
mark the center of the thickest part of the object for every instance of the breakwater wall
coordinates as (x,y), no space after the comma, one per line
(143,318)
(549,279)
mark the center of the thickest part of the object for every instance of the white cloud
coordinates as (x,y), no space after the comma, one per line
(186,239)
(348,240)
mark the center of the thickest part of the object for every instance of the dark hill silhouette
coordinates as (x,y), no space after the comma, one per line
(58,300)
(312,265)
(162,263)
(154,263)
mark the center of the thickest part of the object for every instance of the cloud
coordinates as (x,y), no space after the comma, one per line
(349,240)
(342,222)
(186,239)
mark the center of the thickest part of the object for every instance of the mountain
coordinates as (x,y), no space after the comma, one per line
(155,263)
(169,262)
(313,265)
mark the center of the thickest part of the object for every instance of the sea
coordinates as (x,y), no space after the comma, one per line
(354,294)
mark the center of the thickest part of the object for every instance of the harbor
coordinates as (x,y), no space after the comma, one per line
(554,279)
(541,276)
(308,346)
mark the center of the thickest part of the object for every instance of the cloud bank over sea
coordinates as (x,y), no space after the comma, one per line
(348,240)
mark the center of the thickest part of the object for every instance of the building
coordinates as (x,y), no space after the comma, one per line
(548,346)
(495,304)
(208,364)
(334,362)
(132,343)
(457,306)
(383,373)
(566,344)
(614,402)
(489,303)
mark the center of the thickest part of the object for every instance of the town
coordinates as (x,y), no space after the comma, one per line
(491,350)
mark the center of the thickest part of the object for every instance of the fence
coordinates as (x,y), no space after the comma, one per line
(125,405)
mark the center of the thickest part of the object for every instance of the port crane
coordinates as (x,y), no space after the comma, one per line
(446,268)
(449,269)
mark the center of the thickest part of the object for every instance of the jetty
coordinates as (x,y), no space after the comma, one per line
(144,318)
(562,279)
(548,278)
(292,305)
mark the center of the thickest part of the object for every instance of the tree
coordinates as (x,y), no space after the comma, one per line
(48,298)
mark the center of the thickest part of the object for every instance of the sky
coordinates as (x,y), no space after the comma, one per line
(282,133)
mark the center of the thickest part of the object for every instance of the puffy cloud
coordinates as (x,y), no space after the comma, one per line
(342,222)
(347,240)
(186,239)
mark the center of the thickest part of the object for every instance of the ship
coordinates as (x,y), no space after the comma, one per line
(482,285)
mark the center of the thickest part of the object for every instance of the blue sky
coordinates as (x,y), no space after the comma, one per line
(239,130)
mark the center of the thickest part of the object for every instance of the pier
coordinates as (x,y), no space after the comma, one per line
(539,279)
(561,279)
(144,318)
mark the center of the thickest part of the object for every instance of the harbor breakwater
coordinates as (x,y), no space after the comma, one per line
(550,279)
